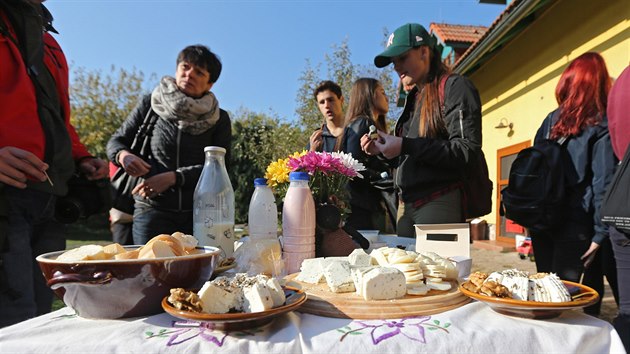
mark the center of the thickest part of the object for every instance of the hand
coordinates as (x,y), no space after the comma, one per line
(94,168)
(315,140)
(153,186)
(133,165)
(388,145)
(17,165)
(590,254)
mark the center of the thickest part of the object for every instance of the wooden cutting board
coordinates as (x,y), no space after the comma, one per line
(323,302)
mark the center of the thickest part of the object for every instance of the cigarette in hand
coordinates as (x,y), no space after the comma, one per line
(373,134)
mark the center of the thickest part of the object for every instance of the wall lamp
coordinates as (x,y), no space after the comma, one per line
(505,124)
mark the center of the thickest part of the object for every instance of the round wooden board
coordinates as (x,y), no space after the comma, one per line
(321,301)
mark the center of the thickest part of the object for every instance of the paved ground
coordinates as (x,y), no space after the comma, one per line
(488,261)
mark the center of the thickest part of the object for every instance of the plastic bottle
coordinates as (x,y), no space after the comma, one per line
(213,205)
(263,213)
(298,222)
(264,247)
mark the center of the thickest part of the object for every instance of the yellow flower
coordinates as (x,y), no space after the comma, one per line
(298,154)
(277,172)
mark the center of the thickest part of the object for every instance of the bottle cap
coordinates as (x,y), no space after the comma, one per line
(260,182)
(298,176)
(214,148)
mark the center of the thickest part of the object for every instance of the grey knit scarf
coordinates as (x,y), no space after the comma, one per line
(193,115)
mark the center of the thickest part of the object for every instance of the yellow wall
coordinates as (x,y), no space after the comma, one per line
(518,83)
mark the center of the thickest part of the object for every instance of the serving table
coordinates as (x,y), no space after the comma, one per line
(472,328)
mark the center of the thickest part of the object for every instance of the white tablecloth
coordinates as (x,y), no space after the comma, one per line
(473,328)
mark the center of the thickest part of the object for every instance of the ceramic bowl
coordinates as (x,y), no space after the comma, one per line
(110,289)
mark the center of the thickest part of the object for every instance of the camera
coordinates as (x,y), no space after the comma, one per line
(84,198)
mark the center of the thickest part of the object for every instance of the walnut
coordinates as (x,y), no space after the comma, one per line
(492,288)
(184,300)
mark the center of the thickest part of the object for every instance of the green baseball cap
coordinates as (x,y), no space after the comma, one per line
(407,36)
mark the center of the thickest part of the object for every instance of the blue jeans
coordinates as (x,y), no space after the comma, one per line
(149,222)
(32,231)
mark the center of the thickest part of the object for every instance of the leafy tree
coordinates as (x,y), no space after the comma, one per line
(101,102)
(258,139)
(340,69)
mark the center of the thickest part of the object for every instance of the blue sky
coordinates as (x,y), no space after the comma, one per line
(263,44)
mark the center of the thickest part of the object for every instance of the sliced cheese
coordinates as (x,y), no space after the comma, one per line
(420,289)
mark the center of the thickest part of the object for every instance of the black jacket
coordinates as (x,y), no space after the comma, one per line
(172,150)
(426,165)
(594,163)
(362,193)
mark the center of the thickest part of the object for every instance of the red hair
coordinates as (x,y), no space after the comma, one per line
(582,93)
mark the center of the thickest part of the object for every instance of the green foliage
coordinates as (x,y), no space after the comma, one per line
(340,69)
(101,102)
(258,139)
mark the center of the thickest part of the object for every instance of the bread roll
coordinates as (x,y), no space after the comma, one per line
(174,243)
(83,253)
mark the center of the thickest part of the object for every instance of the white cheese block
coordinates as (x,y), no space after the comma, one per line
(357,276)
(216,299)
(358,257)
(517,283)
(275,289)
(311,271)
(257,298)
(383,284)
(338,277)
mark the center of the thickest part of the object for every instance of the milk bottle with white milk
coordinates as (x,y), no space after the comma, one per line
(213,204)
(262,223)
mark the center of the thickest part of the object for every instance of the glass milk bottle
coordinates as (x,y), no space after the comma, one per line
(298,222)
(263,229)
(213,205)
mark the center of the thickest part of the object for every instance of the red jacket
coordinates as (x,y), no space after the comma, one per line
(19,121)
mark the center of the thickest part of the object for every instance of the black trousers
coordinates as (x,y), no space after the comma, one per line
(621,248)
(559,251)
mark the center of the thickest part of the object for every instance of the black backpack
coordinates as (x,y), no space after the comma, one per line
(535,196)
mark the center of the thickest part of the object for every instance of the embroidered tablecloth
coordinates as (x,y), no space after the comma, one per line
(473,328)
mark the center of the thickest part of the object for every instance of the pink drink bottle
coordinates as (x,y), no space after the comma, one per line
(298,222)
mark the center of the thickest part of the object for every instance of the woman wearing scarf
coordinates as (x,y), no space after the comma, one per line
(185,117)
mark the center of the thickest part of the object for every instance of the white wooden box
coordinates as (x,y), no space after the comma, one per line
(447,240)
